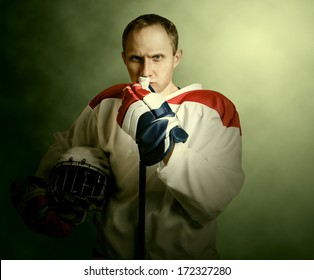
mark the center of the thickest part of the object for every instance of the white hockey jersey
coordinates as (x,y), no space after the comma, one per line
(184,197)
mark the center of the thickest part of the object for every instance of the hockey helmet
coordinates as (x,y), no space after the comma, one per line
(81,179)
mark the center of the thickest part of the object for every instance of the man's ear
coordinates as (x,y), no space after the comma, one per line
(177,58)
(123,56)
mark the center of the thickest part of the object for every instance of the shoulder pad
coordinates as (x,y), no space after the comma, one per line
(214,100)
(111,92)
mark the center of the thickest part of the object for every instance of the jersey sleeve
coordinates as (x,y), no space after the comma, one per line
(83,131)
(80,133)
(205,173)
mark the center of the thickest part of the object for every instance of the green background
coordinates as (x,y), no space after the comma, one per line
(56,55)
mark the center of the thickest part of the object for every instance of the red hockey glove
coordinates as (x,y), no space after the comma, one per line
(149,120)
(28,196)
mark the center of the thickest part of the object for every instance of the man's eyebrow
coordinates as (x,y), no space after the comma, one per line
(133,54)
(149,55)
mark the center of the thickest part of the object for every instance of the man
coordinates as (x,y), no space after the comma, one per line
(189,139)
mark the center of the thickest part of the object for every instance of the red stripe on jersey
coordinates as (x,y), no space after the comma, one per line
(112,92)
(215,101)
(212,99)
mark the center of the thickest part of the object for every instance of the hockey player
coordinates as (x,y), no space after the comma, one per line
(188,138)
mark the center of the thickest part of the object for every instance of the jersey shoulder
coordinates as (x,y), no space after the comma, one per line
(212,100)
(111,92)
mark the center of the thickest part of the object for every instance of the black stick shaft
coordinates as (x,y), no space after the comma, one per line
(141,213)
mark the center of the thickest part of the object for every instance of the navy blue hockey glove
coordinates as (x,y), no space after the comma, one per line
(149,120)
(28,196)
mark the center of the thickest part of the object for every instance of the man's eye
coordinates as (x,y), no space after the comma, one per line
(135,58)
(157,57)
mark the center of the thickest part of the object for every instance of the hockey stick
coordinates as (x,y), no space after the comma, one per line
(144,81)
(141,211)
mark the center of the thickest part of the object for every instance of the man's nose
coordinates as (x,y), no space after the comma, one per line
(146,68)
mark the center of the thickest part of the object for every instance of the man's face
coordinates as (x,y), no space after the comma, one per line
(149,52)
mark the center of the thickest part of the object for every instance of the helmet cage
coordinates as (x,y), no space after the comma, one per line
(79,185)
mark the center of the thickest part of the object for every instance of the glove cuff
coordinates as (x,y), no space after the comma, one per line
(156,143)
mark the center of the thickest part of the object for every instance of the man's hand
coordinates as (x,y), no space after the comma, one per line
(149,120)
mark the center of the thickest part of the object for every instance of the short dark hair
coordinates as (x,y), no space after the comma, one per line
(149,20)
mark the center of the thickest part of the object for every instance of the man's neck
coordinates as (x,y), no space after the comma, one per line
(171,88)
